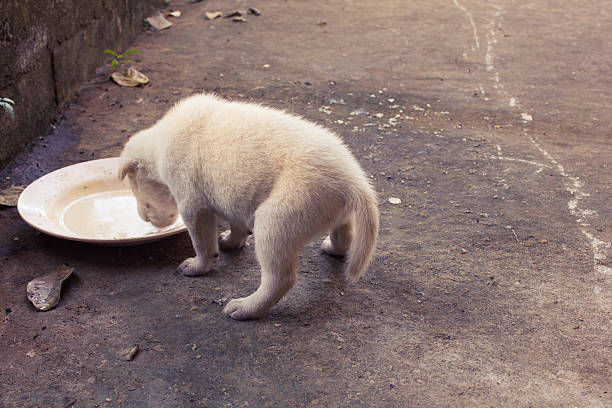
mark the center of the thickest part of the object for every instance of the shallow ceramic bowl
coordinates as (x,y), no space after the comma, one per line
(87,202)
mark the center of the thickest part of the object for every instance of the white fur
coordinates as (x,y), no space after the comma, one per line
(285,179)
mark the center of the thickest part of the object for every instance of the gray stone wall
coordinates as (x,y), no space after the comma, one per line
(48,49)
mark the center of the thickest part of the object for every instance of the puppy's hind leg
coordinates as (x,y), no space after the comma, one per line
(339,240)
(202,227)
(277,277)
(233,238)
(277,255)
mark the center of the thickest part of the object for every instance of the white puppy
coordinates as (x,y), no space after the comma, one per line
(285,179)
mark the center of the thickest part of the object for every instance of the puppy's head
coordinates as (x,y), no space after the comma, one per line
(155,202)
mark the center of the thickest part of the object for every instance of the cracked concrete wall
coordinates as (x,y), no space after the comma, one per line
(48,49)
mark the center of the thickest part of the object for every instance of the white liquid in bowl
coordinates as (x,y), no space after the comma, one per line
(107,215)
(88,202)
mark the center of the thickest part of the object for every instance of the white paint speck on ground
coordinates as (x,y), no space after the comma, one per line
(526,117)
(394,200)
(482,91)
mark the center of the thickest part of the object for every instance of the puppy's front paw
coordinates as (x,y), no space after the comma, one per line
(240,309)
(229,242)
(191,267)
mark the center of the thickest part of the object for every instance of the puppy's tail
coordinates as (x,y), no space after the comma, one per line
(365,231)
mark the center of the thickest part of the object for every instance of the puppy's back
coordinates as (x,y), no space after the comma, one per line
(241,144)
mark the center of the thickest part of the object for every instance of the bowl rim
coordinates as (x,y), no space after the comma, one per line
(36,220)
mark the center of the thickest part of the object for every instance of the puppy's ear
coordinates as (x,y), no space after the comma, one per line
(127,167)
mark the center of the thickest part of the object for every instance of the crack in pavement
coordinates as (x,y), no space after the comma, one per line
(573,184)
(575,188)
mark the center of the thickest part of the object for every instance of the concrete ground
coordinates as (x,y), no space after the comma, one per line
(491,285)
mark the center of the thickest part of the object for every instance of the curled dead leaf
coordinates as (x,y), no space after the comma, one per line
(130,78)
(234,13)
(129,354)
(159,22)
(211,15)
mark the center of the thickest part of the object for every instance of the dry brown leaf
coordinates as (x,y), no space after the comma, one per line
(234,13)
(44,292)
(10,196)
(129,354)
(211,15)
(159,22)
(130,78)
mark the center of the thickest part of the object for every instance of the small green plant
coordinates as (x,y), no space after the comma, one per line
(120,58)
(7,104)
